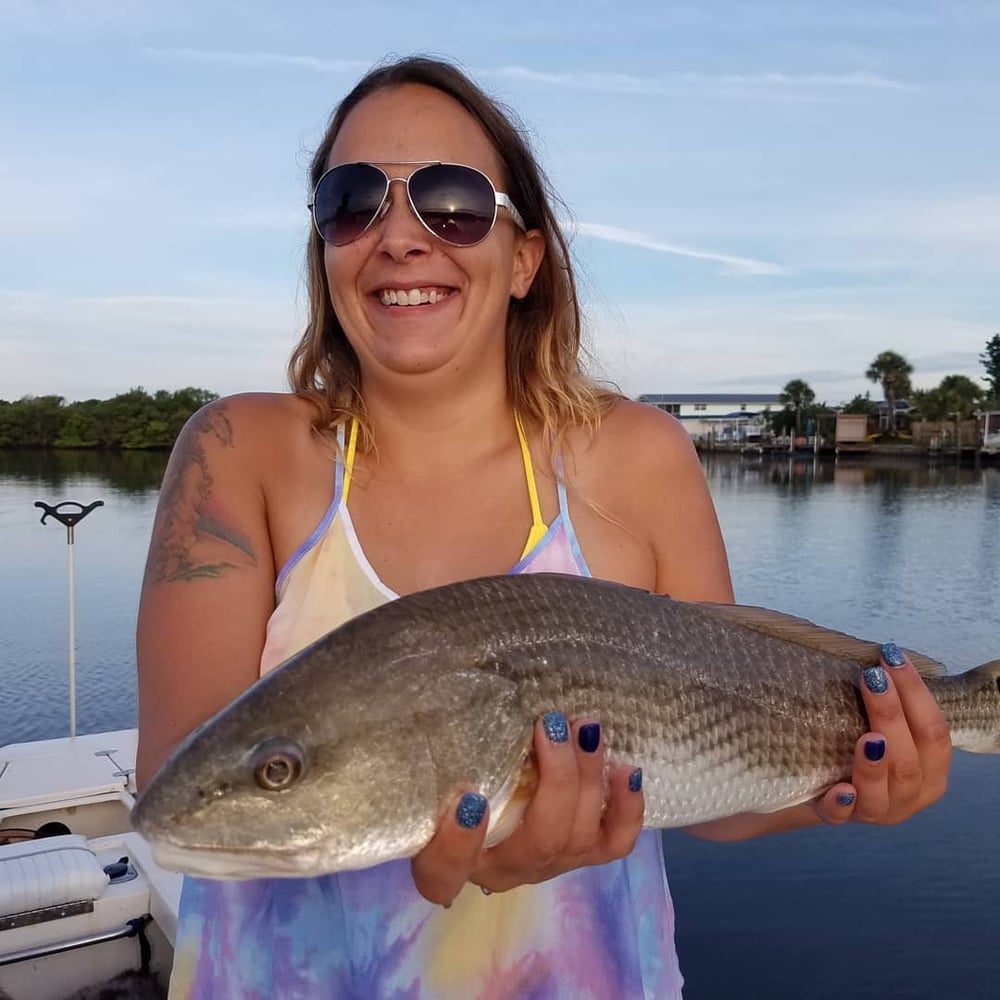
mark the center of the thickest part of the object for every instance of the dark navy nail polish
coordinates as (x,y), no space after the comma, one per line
(845,798)
(635,780)
(893,655)
(590,737)
(876,680)
(875,749)
(471,809)
(556,727)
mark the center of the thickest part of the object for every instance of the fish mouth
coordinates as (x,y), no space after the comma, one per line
(237,864)
(230,865)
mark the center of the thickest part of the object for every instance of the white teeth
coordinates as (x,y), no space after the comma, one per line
(413,297)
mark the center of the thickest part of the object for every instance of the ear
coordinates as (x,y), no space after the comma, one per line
(528,253)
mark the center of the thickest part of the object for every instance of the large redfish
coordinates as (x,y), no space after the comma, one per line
(342,757)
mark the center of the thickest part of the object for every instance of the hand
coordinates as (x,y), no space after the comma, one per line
(565,826)
(901,766)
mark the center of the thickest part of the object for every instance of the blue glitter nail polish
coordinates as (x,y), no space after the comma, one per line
(470,811)
(635,780)
(845,798)
(590,737)
(556,727)
(876,680)
(874,749)
(893,655)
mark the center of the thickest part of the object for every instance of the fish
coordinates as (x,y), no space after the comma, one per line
(344,756)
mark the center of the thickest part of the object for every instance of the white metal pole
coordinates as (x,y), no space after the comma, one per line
(72,642)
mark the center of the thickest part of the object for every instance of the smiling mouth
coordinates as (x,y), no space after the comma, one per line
(412,296)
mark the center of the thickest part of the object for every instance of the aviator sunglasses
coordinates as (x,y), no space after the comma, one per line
(456,203)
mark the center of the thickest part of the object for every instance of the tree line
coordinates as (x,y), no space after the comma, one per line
(954,395)
(133,420)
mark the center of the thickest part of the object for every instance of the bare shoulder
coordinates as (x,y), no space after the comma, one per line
(255,430)
(642,469)
(257,414)
(641,445)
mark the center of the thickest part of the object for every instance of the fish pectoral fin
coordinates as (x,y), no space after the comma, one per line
(803,632)
(509,809)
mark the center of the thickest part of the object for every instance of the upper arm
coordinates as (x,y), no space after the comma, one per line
(208,586)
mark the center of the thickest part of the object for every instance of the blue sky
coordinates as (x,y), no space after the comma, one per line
(760,191)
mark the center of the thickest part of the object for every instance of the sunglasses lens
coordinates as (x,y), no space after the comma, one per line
(456,203)
(346,200)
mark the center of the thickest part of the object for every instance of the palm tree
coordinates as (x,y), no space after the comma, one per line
(796,396)
(893,371)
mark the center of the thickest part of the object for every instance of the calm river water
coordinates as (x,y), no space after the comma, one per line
(909,552)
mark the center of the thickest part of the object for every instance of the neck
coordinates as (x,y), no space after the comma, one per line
(421,426)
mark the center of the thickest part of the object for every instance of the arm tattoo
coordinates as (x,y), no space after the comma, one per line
(191,541)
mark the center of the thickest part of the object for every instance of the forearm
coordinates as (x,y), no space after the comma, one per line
(749,825)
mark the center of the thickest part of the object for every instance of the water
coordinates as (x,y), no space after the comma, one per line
(907,552)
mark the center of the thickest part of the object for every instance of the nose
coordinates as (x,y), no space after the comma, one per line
(400,233)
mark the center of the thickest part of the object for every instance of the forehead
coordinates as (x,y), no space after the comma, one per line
(414,122)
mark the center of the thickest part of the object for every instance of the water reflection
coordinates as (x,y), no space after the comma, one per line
(129,472)
(799,475)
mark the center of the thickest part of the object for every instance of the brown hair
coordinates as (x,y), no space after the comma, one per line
(545,380)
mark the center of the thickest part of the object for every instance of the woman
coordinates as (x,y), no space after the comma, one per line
(441,429)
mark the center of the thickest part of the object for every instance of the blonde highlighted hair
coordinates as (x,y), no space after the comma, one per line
(546,382)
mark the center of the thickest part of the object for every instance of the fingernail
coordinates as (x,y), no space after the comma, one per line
(635,780)
(876,680)
(874,749)
(590,736)
(556,727)
(845,798)
(471,809)
(893,655)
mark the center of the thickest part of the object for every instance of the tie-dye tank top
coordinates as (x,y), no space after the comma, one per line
(599,932)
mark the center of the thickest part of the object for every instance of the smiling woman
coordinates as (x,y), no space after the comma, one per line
(442,428)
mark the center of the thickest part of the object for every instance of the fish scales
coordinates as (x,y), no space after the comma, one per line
(377,724)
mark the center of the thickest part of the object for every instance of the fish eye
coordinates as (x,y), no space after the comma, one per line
(277,764)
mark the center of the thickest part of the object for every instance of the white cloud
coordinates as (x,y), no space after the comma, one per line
(743,86)
(96,347)
(732,85)
(710,346)
(259,60)
(732,264)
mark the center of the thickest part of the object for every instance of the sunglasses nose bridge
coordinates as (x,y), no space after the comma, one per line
(398,216)
(383,210)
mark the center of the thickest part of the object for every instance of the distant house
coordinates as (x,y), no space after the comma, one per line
(903,410)
(724,416)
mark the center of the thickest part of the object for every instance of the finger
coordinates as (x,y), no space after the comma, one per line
(836,806)
(927,724)
(548,820)
(886,714)
(528,854)
(444,865)
(623,819)
(585,834)
(870,777)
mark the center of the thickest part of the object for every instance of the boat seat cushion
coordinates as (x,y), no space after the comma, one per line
(52,871)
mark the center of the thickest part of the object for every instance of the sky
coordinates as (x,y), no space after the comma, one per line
(757,191)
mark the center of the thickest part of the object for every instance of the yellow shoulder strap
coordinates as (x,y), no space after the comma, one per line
(352,446)
(538,526)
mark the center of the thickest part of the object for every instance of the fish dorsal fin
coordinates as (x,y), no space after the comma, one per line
(803,632)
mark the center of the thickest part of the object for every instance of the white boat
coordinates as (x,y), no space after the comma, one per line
(991,433)
(81,907)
